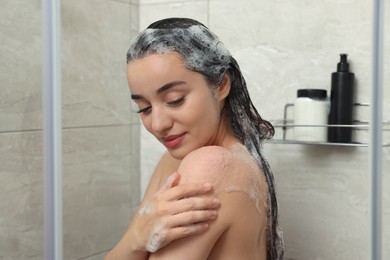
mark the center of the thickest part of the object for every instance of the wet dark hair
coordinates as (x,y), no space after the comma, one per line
(203,52)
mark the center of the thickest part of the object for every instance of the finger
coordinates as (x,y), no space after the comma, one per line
(193,204)
(175,180)
(187,190)
(191,218)
(179,232)
(184,231)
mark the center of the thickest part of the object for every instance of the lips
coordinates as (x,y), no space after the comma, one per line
(172,141)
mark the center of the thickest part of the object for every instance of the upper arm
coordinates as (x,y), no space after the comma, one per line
(207,164)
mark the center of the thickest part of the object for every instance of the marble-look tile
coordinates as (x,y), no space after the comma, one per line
(386,203)
(94,44)
(100,191)
(286,46)
(151,152)
(323,199)
(134,22)
(135,2)
(96,36)
(21,193)
(99,256)
(298,24)
(100,186)
(147,2)
(20,65)
(193,9)
(135,136)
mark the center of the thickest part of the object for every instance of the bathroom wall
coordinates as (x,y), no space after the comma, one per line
(282,46)
(101,184)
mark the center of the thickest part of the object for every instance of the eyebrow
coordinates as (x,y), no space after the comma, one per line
(161,89)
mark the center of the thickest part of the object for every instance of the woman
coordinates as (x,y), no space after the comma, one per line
(220,201)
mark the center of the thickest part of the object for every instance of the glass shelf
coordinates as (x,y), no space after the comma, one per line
(285,124)
(353,144)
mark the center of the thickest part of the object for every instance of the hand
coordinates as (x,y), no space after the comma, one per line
(176,211)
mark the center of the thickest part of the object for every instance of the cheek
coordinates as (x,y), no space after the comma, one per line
(207,115)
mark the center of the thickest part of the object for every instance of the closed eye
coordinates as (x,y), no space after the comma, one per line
(176,102)
(144,110)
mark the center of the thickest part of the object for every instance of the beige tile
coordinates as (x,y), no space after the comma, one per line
(21,193)
(151,152)
(100,191)
(135,132)
(134,2)
(293,24)
(134,21)
(386,203)
(96,36)
(20,65)
(101,187)
(151,2)
(324,200)
(94,44)
(98,256)
(193,9)
(279,42)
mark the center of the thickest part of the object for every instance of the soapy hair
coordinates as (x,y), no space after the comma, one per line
(203,52)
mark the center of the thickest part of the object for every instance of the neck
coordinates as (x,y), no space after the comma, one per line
(225,136)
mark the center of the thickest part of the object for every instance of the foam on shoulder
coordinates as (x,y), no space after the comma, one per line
(206,164)
(229,170)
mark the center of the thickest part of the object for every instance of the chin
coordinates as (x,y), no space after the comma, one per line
(179,153)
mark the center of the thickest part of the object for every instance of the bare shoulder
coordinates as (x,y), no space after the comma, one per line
(233,172)
(226,169)
(206,164)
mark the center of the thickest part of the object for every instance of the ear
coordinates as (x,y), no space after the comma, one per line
(223,88)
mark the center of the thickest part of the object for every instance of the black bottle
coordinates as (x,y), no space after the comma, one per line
(341,103)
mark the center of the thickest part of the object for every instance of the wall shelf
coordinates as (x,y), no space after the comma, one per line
(353,144)
(358,125)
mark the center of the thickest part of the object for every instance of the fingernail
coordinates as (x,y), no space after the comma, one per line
(216,202)
(170,180)
(213,214)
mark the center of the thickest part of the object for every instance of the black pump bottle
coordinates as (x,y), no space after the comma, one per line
(341,103)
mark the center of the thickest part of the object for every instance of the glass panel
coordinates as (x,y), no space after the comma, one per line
(100,153)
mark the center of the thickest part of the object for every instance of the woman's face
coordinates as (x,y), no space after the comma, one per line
(176,104)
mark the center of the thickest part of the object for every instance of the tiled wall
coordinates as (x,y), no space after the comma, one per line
(282,46)
(100,148)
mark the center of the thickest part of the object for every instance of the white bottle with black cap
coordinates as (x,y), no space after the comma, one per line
(311,115)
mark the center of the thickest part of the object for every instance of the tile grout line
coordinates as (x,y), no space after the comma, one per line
(66,128)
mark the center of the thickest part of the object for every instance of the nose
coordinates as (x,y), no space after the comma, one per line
(161,121)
